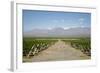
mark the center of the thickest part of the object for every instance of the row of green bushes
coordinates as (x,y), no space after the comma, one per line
(33,47)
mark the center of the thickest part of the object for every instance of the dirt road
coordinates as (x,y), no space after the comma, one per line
(58,51)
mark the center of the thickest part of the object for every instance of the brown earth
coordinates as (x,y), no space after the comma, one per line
(57,52)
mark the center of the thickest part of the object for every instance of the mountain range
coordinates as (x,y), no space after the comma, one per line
(59,32)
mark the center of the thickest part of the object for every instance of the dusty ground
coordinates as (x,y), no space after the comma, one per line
(58,51)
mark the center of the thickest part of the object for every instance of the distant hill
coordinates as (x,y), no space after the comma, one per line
(59,32)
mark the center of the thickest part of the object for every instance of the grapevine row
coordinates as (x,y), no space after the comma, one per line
(82,44)
(33,47)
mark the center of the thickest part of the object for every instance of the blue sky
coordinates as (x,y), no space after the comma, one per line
(33,19)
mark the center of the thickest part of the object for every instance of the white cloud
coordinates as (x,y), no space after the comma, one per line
(49,28)
(81,19)
(62,20)
(69,27)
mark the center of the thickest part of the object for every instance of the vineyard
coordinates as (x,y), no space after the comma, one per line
(32,47)
(82,44)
